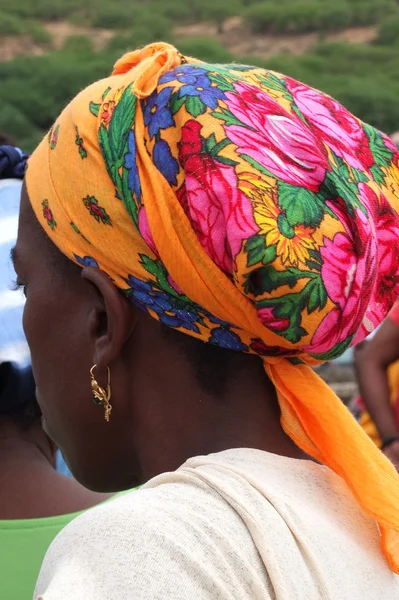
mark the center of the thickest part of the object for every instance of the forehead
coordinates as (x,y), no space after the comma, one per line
(32,247)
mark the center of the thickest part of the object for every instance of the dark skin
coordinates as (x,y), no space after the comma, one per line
(161,415)
(30,486)
(372,359)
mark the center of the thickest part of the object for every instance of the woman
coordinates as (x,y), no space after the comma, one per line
(249,212)
(36,502)
(377,369)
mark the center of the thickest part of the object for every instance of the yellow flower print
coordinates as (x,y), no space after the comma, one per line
(255,187)
(292,243)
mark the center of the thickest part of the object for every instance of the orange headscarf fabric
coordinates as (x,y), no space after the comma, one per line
(243,208)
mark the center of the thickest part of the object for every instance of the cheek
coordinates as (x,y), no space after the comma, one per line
(57,345)
(43,332)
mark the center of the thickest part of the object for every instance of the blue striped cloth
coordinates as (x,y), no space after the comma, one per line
(13,346)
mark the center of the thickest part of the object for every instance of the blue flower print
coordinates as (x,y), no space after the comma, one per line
(157,113)
(202,88)
(131,165)
(227,339)
(86,261)
(184,74)
(165,162)
(147,298)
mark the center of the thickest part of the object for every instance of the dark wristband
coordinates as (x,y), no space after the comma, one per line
(388,441)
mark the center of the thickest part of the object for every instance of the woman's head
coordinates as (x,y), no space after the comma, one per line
(231,204)
(161,380)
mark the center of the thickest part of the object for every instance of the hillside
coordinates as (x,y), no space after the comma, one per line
(236,37)
(49,49)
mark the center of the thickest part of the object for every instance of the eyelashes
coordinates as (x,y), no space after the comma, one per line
(18,286)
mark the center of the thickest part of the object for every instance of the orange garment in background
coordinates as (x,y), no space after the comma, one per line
(365,419)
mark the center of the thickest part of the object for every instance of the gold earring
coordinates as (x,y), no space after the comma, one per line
(101,397)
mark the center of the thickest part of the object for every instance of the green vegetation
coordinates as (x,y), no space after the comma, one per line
(305,16)
(35,88)
(12,25)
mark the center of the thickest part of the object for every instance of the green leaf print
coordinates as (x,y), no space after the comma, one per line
(269,255)
(94,108)
(348,190)
(106,92)
(156,268)
(359,176)
(336,351)
(226,116)
(176,102)
(195,106)
(227,161)
(106,152)
(288,307)
(210,143)
(121,124)
(317,295)
(222,82)
(255,248)
(267,279)
(291,306)
(272,82)
(382,155)
(378,174)
(239,68)
(301,206)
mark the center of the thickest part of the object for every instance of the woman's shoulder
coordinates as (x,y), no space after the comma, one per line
(160,540)
(182,532)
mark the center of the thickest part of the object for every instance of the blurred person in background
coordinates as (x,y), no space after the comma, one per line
(395,138)
(193,238)
(377,371)
(36,502)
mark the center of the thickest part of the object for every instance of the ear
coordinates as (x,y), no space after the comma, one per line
(111,319)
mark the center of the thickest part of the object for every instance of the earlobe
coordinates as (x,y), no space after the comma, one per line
(111,318)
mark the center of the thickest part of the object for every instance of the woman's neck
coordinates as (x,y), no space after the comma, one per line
(247,416)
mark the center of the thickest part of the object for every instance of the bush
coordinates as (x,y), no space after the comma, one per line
(14,122)
(175,10)
(78,44)
(389,32)
(10,25)
(145,31)
(158,26)
(49,10)
(113,17)
(371,12)
(38,33)
(220,10)
(315,15)
(301,17)
(206,49)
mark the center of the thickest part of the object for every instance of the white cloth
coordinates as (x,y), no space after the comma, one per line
(13,345)
(242,524)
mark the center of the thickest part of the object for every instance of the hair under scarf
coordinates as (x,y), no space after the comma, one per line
(248,210)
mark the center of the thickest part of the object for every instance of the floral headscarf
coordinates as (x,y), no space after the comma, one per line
(243,208)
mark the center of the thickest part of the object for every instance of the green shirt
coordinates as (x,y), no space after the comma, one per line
(23,544)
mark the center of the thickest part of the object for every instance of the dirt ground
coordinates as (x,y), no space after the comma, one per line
(236,37)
